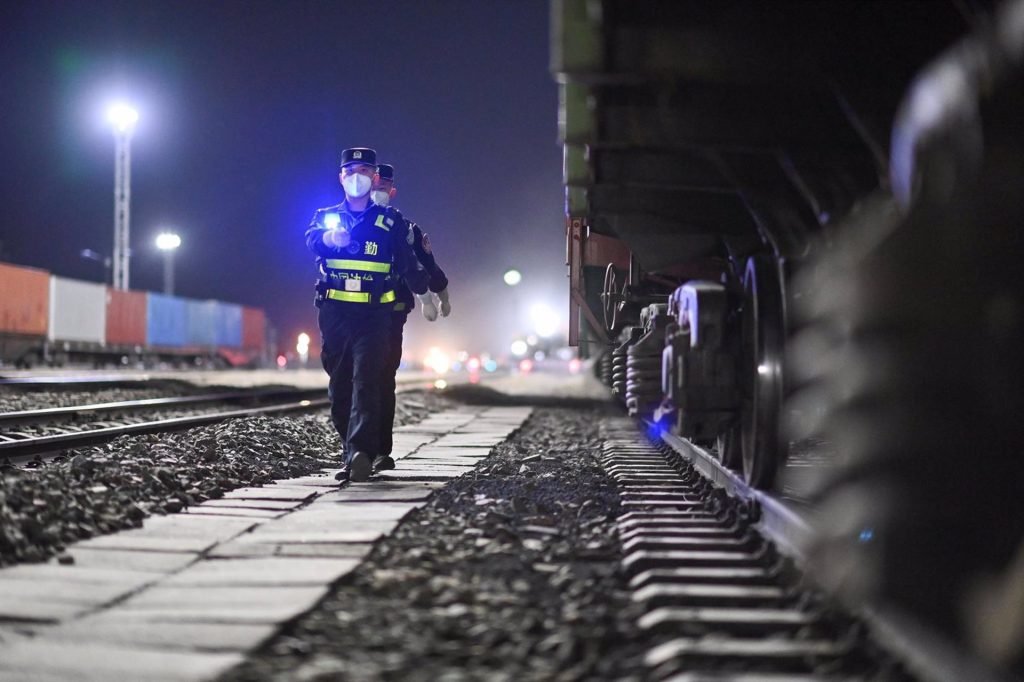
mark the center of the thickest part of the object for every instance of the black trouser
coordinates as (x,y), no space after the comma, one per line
(355,346)
(391,363)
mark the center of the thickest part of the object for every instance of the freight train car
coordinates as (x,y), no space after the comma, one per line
(810,213)
(50,320)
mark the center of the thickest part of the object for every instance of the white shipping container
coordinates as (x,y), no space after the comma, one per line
(78,310)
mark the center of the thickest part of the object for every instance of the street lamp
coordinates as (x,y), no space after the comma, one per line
(168,242)
(512,277)
(123,119)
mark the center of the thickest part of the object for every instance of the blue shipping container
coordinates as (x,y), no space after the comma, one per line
(228,332)
(166,321)
(202,323)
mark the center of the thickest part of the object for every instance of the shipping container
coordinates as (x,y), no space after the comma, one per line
(166,321)
(202,323)
(24,300)
(78,311)
(126,318)
(254,328)
(228,325)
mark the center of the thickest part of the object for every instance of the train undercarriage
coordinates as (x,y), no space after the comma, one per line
(790,219)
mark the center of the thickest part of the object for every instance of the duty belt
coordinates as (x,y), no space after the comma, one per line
(359,296)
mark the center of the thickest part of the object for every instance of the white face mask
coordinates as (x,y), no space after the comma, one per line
(356,185)
(380,197)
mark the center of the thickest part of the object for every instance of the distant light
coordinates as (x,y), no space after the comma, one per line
(867,535)
(462,355)
(302,347)
(490,365)
(282,361)
(332,220)
(539,355)
(437,361)
(512,277)
(526,365)
(545,320)
(440,384)
(519,347)
(575,365)
(473,364)
(122,117)
(167,241)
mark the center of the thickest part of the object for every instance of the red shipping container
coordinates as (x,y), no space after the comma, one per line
(126,318)
(254,328)
(24,300)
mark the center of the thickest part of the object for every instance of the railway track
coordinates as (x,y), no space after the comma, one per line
(716,565)
(32,436)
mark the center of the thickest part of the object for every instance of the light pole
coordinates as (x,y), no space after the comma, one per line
(123,118)
(168,242)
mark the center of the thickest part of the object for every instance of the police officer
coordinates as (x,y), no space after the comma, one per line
(361,249)
(383,191)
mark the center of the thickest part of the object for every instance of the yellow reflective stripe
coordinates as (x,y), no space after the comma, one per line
(362,265)
(380,223)
(349,296)
(358,296)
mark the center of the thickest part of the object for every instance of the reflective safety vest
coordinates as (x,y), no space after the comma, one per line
(362,271)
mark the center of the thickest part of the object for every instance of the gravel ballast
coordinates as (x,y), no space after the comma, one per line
(102,489)
(510,572)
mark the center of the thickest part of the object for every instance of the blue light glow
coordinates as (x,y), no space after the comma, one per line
(656,430)
(867,535)
(490,365)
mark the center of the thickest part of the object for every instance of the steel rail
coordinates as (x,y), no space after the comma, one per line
(51,413)
(929,654)
(22,451)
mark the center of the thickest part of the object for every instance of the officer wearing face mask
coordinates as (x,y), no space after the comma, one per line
(383,191)
(361,250)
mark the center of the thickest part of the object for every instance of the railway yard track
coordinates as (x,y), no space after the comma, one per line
(27,435)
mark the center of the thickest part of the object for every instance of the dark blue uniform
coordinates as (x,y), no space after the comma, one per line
(356,296)
(437,282)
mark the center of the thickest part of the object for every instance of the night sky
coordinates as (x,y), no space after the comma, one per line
(244,110)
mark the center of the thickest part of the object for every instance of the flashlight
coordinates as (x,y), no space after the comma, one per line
(332,220)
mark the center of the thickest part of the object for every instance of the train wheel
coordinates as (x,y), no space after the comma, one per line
(611,296)
(763,448)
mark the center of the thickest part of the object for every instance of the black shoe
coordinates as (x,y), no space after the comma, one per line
(342,476)
(359,467)
(383,463)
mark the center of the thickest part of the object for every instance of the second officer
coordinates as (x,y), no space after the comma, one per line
(383,191)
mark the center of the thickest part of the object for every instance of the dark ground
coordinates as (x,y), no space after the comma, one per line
(511,572)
